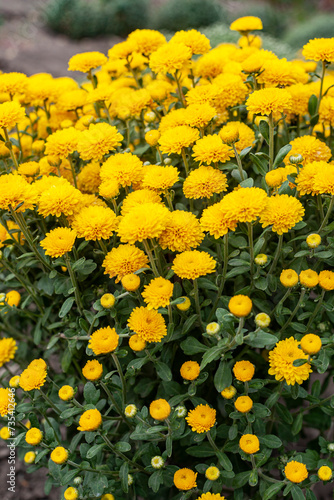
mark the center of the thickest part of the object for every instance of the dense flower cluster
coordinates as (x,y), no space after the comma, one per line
(166,291)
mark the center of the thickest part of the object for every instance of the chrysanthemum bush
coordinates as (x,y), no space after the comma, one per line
(166,270)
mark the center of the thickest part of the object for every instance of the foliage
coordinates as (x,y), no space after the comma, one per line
(175,15)
(317,26)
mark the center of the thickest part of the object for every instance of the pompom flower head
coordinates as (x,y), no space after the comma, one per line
(281,360)
(98,140)
(10,114)
(192,264)
(295,471)
(175,139)
(246,24)
(95,223)
(148,324)
(160,409)
(103,341)
(86,61)
(170,57)
(183,232)
(271,100)
(201,419)
(143,222)
(8,348)
(158,293)
(211,149)
(124,260)
(90,420)
(319,49)
(185,479)
(282,212)
(204,182)
(58,241)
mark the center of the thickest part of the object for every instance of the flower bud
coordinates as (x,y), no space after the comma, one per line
(149,116)
(212,473)
(313,240)
(262,320)
(167,161)
(261,259)
(184,306)
(130,479)
(212,328)
(294,159)
(181,411)
(77,480)
(108,300)
(130,411)
(157,462)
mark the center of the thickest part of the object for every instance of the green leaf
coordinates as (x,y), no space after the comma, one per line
(299,362)
(297,424)
(223,376)
(169,446)
(282,154)
(66,307)
(264,129)
(155,480)
(201,451)
(94,450)
(211,354)
(163,371)
(70,412)
(122,446)
(297,493)
(312,104)
(241,479)
(245,152)
(192,346)
(40,455)
(247,183)
(271,441)
(123,475)
(261,339)
(53,341)
(224,461)
(272,490)
(236,271)
(66,360)
(189,323)
(91,394)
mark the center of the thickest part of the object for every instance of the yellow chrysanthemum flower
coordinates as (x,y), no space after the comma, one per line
(281,360)
(124,168)
(107,300)
(243,404)
(244,370)
(97,141)
(311,149)
(240,305)
(139,197)
(59,455)
(266,101)
(146,41)
(211,149)
(10,114)
(190,370)
(192,264)
(323,181)
(282,212)
(34,436)
(170,57)
(310,343)
(143,222)
(249,443)
(13,83)
(86,61)
(245,204)
(90,420)
(229,392)
(183,232)
(278,73)
(185,479)
(92,370)
(159,178)
(123,260)
(148,324)
(103,341)
(196,41)
(61,198)
(136,343)
(199,115)
(13,298)
(326,110)
(204,182)
(202,93)
(216,221)
(309,278)
(6,400)
(95,223)
(201,419)
(71,493)
(246,23)
(212,473)
(325,473)
(32,378)
(319,49)
(5,433)
(173,140)
(15,190)
(8,348)
(89,179)
(160,409)
(131,282)
(295,471)
(58,241)
(66,393)
(326,280)
(158,293)
(62,142)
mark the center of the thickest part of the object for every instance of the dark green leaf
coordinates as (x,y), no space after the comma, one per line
(223,376)
(272,490)
(271,441)
(163,371)
(282,154)
(94,450)
(297,493)
(66,307)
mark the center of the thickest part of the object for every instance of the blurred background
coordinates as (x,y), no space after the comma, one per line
(41,35)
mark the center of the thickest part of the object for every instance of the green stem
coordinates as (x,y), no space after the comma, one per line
(316,309)
(185,162)
(222,283)
(74,284)
(70,159)
(121,455)
(324,222)
(277,254)
(294,312)
(283,299)
(236,154)
(176,76)
(271,141)
(48,400)
(103,246)
(198,306)
(321,85)
(320,207)
(121,376)
(10,147)
(151,258)
(211,441)
(251,248)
